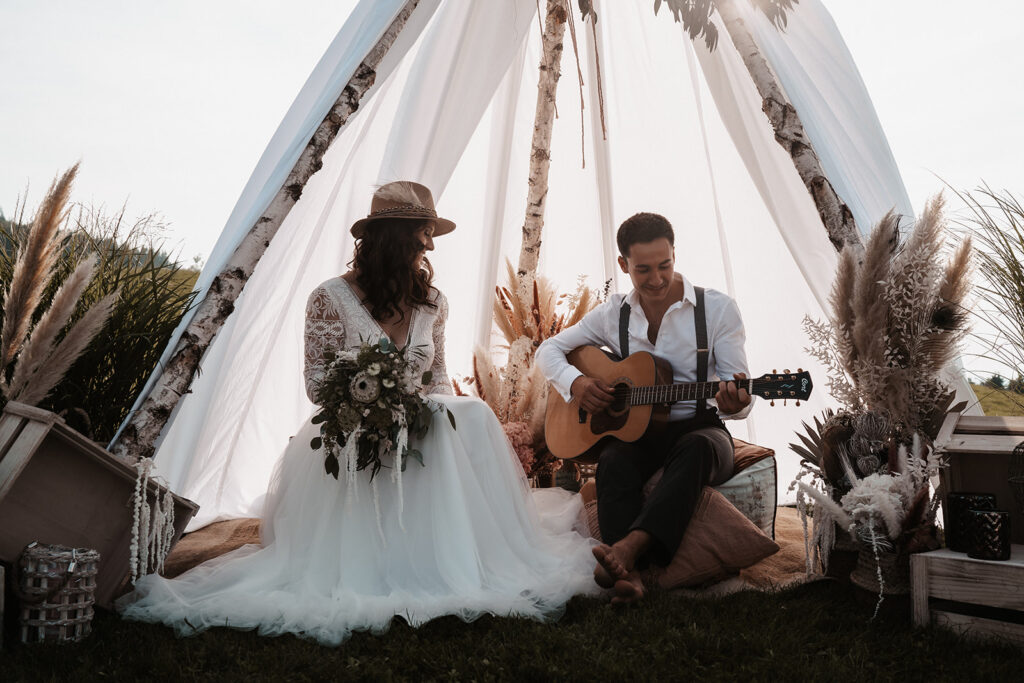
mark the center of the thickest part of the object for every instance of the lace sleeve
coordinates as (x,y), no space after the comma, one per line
(324,331)
(440,384)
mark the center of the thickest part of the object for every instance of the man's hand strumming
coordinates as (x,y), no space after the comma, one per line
(592,394)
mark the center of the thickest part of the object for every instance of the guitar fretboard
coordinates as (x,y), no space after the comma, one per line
(670,393)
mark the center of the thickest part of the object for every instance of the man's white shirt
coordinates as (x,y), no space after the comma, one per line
(676,342)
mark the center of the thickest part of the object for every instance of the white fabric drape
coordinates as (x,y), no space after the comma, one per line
(818,75)
(454,108)
(367,22)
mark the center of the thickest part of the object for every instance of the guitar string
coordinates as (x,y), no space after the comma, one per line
(666,393)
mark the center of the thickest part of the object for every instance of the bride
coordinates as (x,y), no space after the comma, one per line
(461,536)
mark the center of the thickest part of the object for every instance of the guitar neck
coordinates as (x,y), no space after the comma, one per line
(670,393)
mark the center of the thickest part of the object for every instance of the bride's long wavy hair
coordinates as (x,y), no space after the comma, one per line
(384,265)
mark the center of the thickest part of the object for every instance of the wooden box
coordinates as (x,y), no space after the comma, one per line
(979,450)
(975,597)
(58,487)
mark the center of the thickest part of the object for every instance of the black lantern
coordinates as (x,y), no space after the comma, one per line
(958,507)
(989,535)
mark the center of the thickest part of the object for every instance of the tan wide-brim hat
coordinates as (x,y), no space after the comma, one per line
(403,199)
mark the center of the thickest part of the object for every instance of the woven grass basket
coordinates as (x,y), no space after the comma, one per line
(56,587)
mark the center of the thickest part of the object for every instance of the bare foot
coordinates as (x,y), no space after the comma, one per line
(628,590)
(609,566)
(602,578)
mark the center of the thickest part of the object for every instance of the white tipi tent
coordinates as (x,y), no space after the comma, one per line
(452,107)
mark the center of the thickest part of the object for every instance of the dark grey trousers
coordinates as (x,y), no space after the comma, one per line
(693,453)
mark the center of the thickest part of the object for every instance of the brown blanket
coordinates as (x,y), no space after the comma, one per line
(784,568)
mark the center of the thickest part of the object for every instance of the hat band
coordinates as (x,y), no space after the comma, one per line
(419,211)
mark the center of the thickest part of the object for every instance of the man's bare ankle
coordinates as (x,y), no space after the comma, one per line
(633,545)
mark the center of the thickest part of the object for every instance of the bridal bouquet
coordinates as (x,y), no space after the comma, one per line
(370,404)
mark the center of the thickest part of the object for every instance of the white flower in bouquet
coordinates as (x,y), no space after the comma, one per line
(364,387)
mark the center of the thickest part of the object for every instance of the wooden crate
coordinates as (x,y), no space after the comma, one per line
(58,487)
(979,448)
(975,597)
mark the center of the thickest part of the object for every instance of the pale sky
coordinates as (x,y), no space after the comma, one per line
(169,104)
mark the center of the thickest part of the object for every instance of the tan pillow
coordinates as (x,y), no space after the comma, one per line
(746,454)
(718,542)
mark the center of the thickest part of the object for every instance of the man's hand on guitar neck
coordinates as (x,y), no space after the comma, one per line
(731,398)
(592,394)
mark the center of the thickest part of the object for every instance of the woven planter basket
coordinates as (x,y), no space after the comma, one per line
(895,568)
(56,587)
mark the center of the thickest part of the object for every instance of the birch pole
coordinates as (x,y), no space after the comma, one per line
(789,132)
(140,434)
(540,153)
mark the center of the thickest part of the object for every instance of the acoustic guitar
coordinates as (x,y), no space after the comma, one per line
(643,388)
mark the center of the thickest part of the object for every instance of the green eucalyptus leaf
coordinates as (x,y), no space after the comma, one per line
(451,418)
(331,466)
(319,418)
(428,377)
(317,443)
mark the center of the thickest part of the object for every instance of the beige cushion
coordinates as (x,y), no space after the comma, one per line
(719,541)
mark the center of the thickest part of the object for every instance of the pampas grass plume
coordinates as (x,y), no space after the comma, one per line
(68,351)
(33,267)
(841,299)
(869,302)
(43,336)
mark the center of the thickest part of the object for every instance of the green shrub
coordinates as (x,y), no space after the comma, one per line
(996,224)
(155,291)
(996,382)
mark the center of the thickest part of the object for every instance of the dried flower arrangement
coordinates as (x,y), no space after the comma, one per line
(32,360)
(897,318)
(517,392)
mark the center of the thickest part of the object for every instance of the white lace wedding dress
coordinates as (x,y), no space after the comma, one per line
(467,539)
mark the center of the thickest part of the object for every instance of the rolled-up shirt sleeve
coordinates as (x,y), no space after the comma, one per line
(550,356)
(728,351)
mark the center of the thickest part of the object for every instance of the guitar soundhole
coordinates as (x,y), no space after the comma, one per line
(616,415)
(620,404)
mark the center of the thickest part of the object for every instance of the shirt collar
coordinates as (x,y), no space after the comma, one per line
(633,298)
(688,292)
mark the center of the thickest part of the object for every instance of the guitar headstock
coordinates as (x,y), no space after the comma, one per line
(783,386)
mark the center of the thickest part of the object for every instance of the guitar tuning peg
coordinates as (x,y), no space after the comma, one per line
(799,370)
(786,371)
(774,371)
(772,402)
(783,402)
(798,403)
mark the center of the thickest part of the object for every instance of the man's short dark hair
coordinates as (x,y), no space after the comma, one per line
(643,227)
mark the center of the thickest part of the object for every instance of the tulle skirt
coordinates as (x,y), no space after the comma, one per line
(465,538)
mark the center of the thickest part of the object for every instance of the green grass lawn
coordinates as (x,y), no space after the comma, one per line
(821,631)
(999,401)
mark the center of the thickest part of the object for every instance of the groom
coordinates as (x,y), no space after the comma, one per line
(700,333)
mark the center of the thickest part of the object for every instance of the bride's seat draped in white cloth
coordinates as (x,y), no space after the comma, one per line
(453,108)
(462,535)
